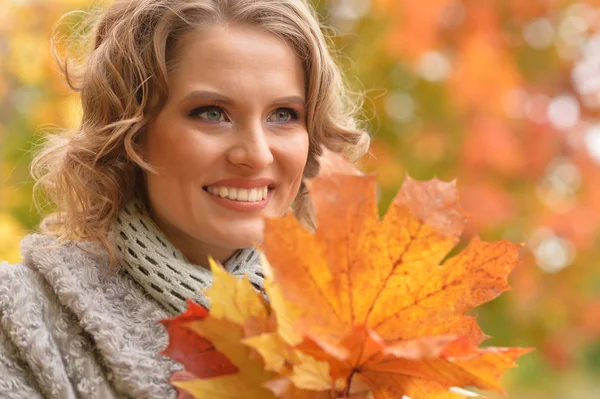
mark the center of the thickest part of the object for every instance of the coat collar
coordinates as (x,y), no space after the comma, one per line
(112,309)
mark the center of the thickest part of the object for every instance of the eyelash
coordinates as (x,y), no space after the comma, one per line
(197,111)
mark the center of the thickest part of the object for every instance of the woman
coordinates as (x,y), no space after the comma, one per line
(199,116)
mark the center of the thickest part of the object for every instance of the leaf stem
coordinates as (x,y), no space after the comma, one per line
(348,383)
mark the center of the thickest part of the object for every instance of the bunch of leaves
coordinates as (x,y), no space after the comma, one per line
(363,307)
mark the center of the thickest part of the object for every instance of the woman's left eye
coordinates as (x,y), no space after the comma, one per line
(211,113)
(282,115)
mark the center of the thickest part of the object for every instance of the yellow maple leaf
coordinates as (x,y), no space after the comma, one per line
(238,324)
(247,383)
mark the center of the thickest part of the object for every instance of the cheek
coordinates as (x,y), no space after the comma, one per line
(295,156)
(178,152)
(294,161)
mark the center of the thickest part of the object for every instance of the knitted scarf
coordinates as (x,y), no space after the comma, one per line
(162,270)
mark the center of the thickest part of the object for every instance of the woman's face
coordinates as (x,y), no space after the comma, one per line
(230,143)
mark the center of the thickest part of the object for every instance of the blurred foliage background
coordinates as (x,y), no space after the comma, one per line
(501,95)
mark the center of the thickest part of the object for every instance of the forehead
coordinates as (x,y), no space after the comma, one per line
(237,60)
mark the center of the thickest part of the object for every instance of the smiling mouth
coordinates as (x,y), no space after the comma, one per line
(256,194)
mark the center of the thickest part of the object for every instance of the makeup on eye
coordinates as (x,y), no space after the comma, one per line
(211,111)
(292,113)
(215,113)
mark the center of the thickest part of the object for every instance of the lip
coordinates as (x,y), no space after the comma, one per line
(244,183)
(242,206)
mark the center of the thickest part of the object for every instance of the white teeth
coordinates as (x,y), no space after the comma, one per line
(253,195)
(232,193)
(240,194)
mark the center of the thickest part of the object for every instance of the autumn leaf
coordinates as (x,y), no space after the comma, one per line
(195,352)
(234,299)
(373,296)
(301,369)
(364,306)
(216,348)
(210,346)
(247,383)
(365,271)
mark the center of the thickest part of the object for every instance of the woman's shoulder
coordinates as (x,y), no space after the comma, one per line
(37,330)
(14,271)
(25,302)
(20,289)
(42,254)
(22,286)
(52,272)
(18,283)
(41,249)
(64,294)
(11,270)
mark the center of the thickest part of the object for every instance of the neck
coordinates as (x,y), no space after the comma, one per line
(196,252)
(161,268)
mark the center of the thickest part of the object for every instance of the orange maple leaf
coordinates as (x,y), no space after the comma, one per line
(362,308)
(372,298)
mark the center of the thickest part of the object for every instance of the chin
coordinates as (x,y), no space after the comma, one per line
(243,236)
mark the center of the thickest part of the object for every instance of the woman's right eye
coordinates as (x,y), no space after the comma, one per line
(211,113)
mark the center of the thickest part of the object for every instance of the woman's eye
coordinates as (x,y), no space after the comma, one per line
(212,113)
(283,115)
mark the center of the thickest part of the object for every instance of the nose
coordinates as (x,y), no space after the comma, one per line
(252,148)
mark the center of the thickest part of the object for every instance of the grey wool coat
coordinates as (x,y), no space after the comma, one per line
(71,328)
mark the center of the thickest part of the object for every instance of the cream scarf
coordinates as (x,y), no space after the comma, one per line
(162,270)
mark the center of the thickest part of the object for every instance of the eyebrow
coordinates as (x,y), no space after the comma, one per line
(214,96)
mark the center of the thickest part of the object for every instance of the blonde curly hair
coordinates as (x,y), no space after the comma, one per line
(89,174)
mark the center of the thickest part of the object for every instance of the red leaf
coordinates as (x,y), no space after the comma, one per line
(196,353)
